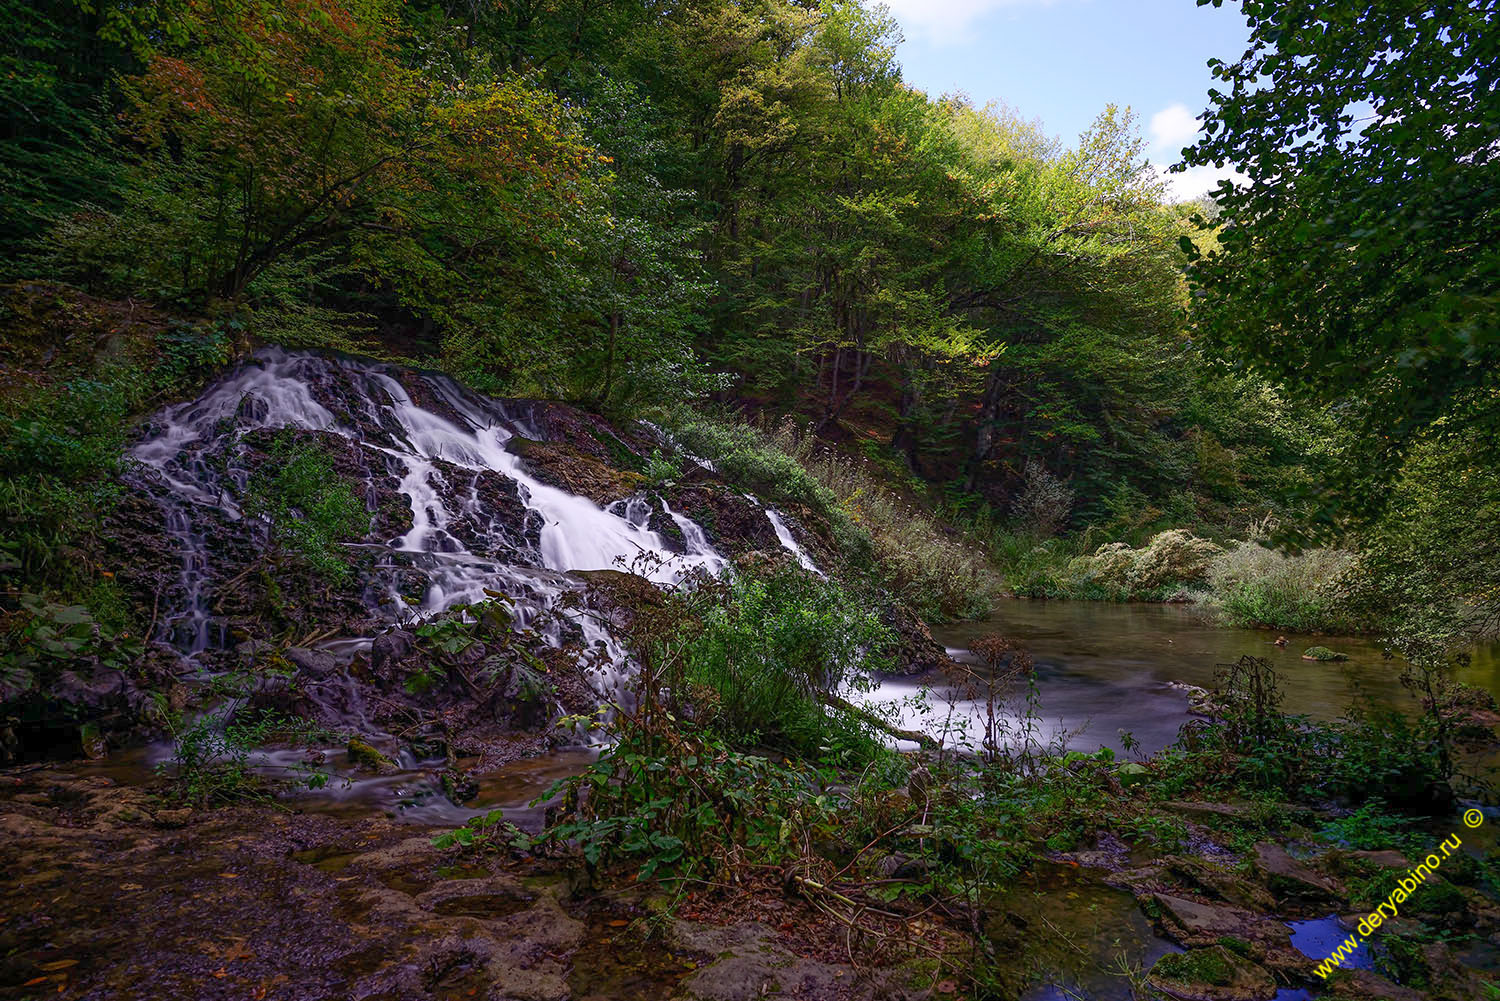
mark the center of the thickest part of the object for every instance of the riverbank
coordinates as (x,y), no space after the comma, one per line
(1127,882)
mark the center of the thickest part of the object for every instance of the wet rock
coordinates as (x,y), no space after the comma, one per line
(577,472)
(899,866)
(1291,880)
(314,663)
(1386,859)
(1207,811)
(916,651)
(1367,985)
(1201,701)
(252,648)
(1265,940)
(172,819)
(389,649)
(1195,923)
(750,964)
(103,688)
(459,786)
(364,755)
(1322,653)
(1450,980)
(733,524)
(621,596)
(1219,882)
(491,518)
(1211,974)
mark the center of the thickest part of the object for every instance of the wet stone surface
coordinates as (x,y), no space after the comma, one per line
(111,895)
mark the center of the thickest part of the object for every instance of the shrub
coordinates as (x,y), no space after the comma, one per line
(1250,585)
(308,507)
(767,643)
(1044,502)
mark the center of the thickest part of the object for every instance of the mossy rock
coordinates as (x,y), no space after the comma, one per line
(364,755)
(1211,974)
(1132,774)
(1322,653)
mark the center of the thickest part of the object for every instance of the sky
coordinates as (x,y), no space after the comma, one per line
(1062,61)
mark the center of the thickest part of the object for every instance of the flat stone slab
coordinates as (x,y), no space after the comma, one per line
(1289,878)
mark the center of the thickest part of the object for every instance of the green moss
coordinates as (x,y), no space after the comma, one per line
(1238,946)
(1197,966)
(1322,653)
(365,755)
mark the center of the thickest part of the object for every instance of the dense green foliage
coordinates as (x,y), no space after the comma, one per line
(1356,266)
(624,204)
(769,644)
(308,508)
(1358,262)
(617,203)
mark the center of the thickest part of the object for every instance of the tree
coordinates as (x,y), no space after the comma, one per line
(1357,262)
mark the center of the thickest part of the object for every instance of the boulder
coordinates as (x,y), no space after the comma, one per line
(314,663)
(389,649)
(565,466)
(364,755)
(916,651)
(1367,985)
(1198,923)
(1211,974)
(1290,879)
(733,523)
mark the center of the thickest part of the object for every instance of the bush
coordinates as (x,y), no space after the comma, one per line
(1044,502)
(1252,586)
(766,644)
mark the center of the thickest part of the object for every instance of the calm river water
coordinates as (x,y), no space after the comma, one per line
(1102,668)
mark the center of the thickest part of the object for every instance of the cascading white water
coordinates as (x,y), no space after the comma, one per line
(784,534)
(195,469)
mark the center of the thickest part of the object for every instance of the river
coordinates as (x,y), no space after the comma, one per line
(1102,668)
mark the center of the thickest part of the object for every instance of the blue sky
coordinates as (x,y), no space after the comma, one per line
(1062,61)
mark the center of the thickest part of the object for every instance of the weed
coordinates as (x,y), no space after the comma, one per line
(308,508)
(210,763)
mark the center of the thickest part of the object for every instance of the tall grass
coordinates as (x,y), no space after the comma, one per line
(940,572)
(1251,586)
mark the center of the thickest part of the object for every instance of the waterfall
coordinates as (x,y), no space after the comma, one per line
(442,452)
(785,535)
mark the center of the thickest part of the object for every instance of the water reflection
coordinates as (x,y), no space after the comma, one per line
(1102,668)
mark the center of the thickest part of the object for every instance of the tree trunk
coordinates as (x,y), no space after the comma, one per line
(984,434)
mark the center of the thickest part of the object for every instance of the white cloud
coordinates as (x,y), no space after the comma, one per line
(1173,127)
(1198,181)
(946,21)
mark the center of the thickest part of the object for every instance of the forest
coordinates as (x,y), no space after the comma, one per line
(637,500)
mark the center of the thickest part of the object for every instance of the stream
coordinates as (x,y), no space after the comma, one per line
(456,514)
(1102,668)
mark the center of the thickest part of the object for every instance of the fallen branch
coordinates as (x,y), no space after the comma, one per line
(864,715)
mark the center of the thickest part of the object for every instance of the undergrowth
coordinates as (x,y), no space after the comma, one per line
(937,571)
